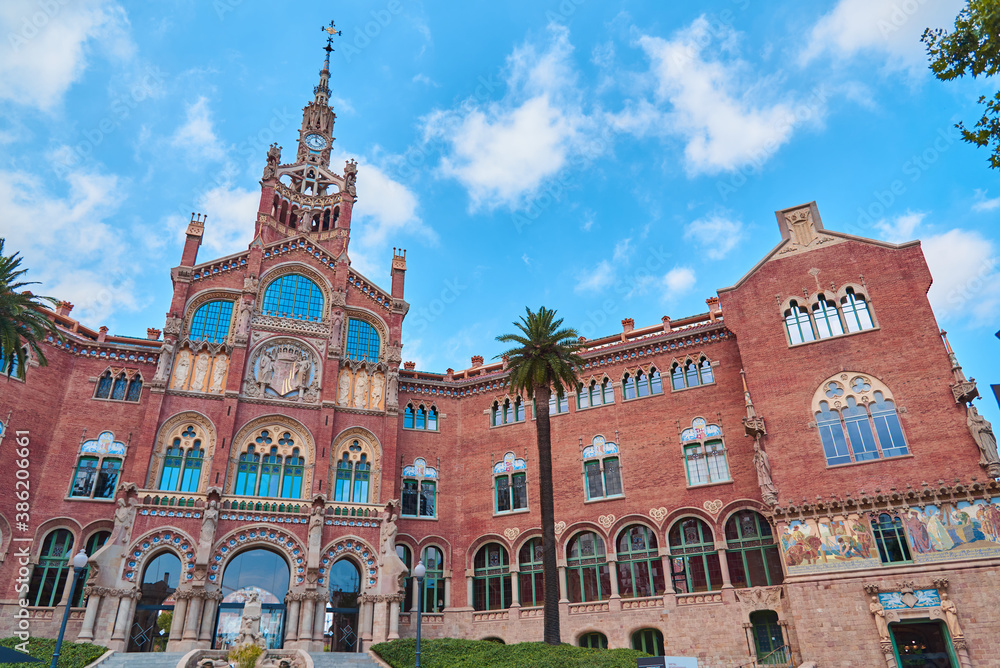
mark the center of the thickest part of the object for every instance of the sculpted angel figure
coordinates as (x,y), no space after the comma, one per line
(181,368)
(200,371)
(219,373)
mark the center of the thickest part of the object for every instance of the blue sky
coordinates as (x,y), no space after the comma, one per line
(609,160)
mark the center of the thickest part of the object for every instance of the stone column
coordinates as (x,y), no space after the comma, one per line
(319,619)
(447,592)
(177,623)
(292,632)
(469,597)
(668,575)
(306,622)
(563,586)
(724,566)
(193,623)
(515,590)
(613,568)
(394,602)
(962,650)
(90,616)
(365,621)
(415,602)
(380,631)
(124,617)
(208,616)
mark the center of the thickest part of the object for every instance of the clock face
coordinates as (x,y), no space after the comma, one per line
(315,142)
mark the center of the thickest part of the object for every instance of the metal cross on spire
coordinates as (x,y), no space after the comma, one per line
(331,30)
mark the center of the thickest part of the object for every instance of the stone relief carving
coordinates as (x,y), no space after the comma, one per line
(392,394)
(878,611)
(219,375)
(336,331)
(201,365)
(172,326)
(759,598)
(163,363)
(378,383)
(361,389)
(182,367)
(801,229)
(344,387)
(284,369)
(351,178)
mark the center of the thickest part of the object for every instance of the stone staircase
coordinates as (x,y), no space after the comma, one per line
(341,660)
(143,660)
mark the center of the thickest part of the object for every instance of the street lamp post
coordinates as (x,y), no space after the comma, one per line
(79,563)
(418,572)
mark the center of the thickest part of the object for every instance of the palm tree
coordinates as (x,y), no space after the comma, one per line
(545,360)
(22,321)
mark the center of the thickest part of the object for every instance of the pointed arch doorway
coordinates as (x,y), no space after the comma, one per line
(342,613)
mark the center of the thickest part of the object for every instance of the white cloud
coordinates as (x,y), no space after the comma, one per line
(966,271)
(888,27)
(716,233)
(902,228)
(727,117)
(983,204)
(426,80)
(678,280)
(45,46)
(623,250)
(504,151)
(197,135)
(596,279)
(80,256)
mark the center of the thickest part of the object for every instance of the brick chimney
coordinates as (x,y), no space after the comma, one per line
(449,374)
(153,334)
(628,324)
(409,366)
(713,308)
(666,323)
(477,361)
(63,308)
(102,334)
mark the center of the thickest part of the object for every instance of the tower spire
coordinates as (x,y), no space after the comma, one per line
(316,133)
(322,91)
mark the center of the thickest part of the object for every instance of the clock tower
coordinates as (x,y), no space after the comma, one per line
(316,134)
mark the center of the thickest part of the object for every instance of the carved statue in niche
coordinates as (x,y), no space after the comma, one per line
(209,522)
(391,397)
(344,387)
(982,431)
(762,463)
(243,320)
(951,616)
(200,372)
(316,530)
(361,389)
(219,373)
(350,178)
(163,363)
(181,368)
(335,332)
(881,624)
(378,384)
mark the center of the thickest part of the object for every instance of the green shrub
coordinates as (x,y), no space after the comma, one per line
(71,654)
(451,653)
(245,656)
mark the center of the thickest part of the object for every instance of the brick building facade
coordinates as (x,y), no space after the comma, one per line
(799,470)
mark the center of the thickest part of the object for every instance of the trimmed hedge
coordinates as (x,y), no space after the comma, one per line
(451,653)
(71,654)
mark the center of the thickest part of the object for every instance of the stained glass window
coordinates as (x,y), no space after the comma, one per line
(118,390)
(363,342)
(588,577)
(751,552)
(211,321)
(433,599)
(694,560)
(640,568)
(246,473)
(293,296)
(134,388)
(491,587)
(291,477)
(48,578)
(601,469)
(104,386)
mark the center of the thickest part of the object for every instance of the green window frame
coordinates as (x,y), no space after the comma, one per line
(491,586)
(48,578)
(588,576)
(640,568)
(246,473)
(768,639)
(706,462)
(602,478)
(593,640)
(433,597)
(751,552)
(695,565)
(798,324)
(857,312)
(827,318)
(511,492)
(649,641)
(890,539)
(94,543)
(404,554)
(95,477)
(530,577)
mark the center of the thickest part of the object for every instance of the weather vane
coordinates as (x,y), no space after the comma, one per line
(331,30)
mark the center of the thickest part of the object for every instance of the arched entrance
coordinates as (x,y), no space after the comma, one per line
(265,572)
(154,613)
(342,614)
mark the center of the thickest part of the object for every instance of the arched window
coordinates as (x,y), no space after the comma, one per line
(705,371)
(433,599)
(850,410)
(211,321)
(491,588)
(642,384)
(103,386)
(510,482)
(419,490)
(94,543)
(891,539)
(508,412)
(677,377)
(694,561)
(640,569)
(118,389)
(182,462)
(558,403)
(271,466)
(768,641)
(420,417)
(704,453)
(628,386)
(48,578)
(530,578)
(293,296)
(12,368)
(751,552)
(596,394)
(691,373)
(98,467)
(602,475)
(798,324)
(856,312)
(587,575)
(826,317)
(649,641)
(353,478)
(134,388)
(404,554)
(594,640)
(363,342)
